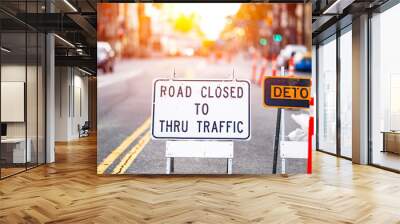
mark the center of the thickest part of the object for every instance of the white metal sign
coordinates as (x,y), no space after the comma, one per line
(201,109)
(199,149)
(294,149)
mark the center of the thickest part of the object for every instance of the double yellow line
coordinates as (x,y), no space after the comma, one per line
(127,160)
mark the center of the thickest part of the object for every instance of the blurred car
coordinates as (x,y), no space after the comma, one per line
(286,53)
(105,57)
(304,65)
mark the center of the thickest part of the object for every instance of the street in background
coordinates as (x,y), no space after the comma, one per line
(190,42)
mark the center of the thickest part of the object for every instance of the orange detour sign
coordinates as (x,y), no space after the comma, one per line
(286,92)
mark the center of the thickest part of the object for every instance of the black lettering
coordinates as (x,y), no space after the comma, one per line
(218,92)
(176,126)
(202,93)
(168,125)
(233,92)
(197,108)
(204,109)
(228,126)
(171,91)
(239,92)
(185,125)
(226,92)
(286,92)
(180,92)
(199,125)
(162,125)
(295,92)
(279,93)
(188,91)
(163,90)
(214,127)
(206,125)
(209,93)
(239,123)
(304,93)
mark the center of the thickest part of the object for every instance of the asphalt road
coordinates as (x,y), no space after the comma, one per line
(124,106)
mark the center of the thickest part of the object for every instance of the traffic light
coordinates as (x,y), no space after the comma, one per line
(277,37)
(263,41)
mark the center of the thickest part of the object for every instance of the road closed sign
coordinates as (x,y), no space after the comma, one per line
(286,92)
(201,109)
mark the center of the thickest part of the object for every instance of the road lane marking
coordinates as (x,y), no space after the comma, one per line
(128,159)
(101,168)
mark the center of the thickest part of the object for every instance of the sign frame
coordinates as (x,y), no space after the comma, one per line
(290,149)
(283,77)
(154,137)
(198,149)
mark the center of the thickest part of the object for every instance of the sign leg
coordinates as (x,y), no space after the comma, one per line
(168,166)
(172,165)
(283,165)
(276,142)
(229,166)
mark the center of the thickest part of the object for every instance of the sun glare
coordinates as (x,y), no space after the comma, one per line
(212,17)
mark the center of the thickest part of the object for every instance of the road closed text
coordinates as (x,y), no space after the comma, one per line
(205,91)
(201,109)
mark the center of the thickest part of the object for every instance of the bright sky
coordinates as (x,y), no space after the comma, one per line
(212,15)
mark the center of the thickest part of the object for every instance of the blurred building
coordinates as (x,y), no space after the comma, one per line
(149,29)
(269,27)
(118,24)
